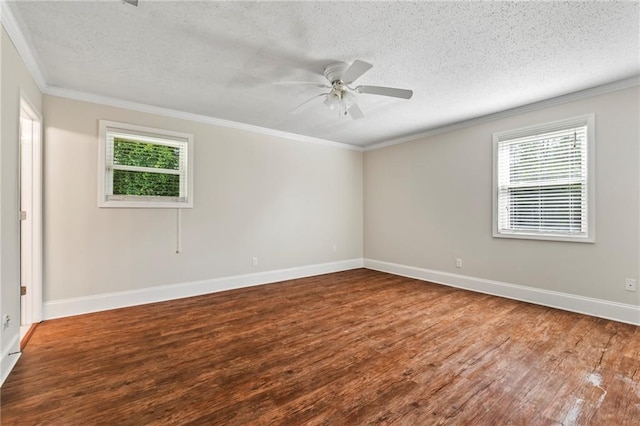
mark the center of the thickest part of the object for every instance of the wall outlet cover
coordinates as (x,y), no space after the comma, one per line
(630,284)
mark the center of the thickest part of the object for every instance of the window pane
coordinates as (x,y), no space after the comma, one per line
(551,208)
(543,188)
(131,153)
(547,159)
(143,183)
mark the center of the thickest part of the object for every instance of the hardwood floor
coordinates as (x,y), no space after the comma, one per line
(356,347)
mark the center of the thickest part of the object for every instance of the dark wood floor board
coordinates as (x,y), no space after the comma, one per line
(356,347)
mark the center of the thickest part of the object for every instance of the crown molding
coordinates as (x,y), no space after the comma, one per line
(26,51)
(166,112)
(23,46)
(8,21)
(570,97)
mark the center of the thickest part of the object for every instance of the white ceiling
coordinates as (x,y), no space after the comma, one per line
(220,59)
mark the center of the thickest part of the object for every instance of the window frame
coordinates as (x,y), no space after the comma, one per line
(587,120)
(184,141)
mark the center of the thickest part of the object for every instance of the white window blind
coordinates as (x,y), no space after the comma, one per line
(143,167)
(542,182)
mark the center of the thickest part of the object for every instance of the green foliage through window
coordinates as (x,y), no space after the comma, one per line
(147,155)
(131,153)
(141,183)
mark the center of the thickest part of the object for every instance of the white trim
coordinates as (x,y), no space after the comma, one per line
(103,302)
(164,137)
(166,112)
(547,103)
(23,46)
(569,302)
(26,52)
(119,103)
(35,289)
(587,120)
(10,357)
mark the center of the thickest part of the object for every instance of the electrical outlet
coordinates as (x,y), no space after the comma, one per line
(630,284)
(254,261)
(335,248)
(458,263)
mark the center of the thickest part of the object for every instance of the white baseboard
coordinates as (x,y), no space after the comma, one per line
(103,302)
(569,302)
(10,357)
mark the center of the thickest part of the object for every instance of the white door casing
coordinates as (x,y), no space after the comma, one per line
(31,214)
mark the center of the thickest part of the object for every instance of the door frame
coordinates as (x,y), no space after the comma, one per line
(33,298)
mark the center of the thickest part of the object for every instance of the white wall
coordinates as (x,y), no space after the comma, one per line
(428,202)
(285,201)
(15,80)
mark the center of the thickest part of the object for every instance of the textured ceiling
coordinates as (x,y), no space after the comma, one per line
(220,59)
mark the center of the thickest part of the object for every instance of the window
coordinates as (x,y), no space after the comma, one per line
(543,182)
(144,167)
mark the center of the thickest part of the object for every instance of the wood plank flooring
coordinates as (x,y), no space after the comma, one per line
(356,347)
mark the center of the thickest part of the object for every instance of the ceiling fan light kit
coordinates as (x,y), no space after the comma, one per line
(339,98)
(342,97)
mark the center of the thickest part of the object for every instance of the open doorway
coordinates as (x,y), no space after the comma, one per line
(30,219)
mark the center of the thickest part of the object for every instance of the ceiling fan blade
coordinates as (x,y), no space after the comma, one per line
(299,108)
(131,2)
(385,91)
(356,69)
(301,83)
(355,112)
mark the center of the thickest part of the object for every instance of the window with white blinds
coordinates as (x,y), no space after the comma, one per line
(543,181)
(144,167)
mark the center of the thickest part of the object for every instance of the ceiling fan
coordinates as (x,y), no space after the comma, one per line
(342,96)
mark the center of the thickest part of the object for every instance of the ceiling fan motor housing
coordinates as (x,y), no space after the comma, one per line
(334,72)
